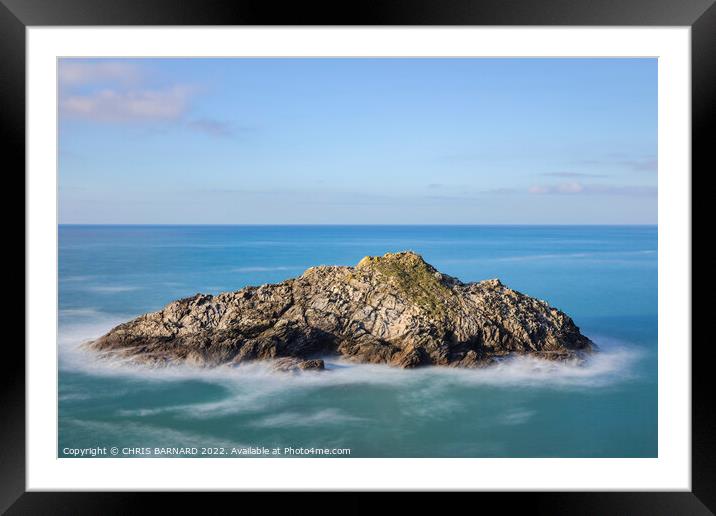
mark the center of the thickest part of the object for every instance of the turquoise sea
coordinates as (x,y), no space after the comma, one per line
(605,277)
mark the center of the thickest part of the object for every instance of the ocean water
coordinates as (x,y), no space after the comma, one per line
(605,277)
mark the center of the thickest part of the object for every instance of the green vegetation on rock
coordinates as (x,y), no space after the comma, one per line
(418,280)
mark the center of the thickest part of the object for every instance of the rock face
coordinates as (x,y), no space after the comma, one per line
(393,309)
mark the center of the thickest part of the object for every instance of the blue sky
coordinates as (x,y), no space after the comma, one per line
(358,141)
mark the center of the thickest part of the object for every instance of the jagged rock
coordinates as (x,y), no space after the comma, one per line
(393,309)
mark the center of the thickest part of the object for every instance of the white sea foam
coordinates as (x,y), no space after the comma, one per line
(79,312)
(292,419)
(70,337)
(516,417)
(422,393)
(112,289)
(76,278)
(613,363)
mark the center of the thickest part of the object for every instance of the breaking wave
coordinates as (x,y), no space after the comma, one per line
(614,363)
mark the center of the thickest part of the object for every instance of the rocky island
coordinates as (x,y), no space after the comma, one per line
(394,309)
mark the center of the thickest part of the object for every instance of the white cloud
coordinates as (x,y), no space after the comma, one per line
(75,73)
(574,187)
(110,105)
(113,91)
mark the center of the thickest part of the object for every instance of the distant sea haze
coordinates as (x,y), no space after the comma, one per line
(605,277)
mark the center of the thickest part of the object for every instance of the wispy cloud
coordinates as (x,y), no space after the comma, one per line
(212,127)
(465,194)
(504,190)
(75,73)
(562,188)
(576,188)
(447,186)
(645,164)
(118,92)
(572,174)
(111,105)
(641,165)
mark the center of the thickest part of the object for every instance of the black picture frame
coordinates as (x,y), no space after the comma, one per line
(700,15)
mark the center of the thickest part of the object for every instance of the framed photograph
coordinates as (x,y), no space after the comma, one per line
(435,249)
